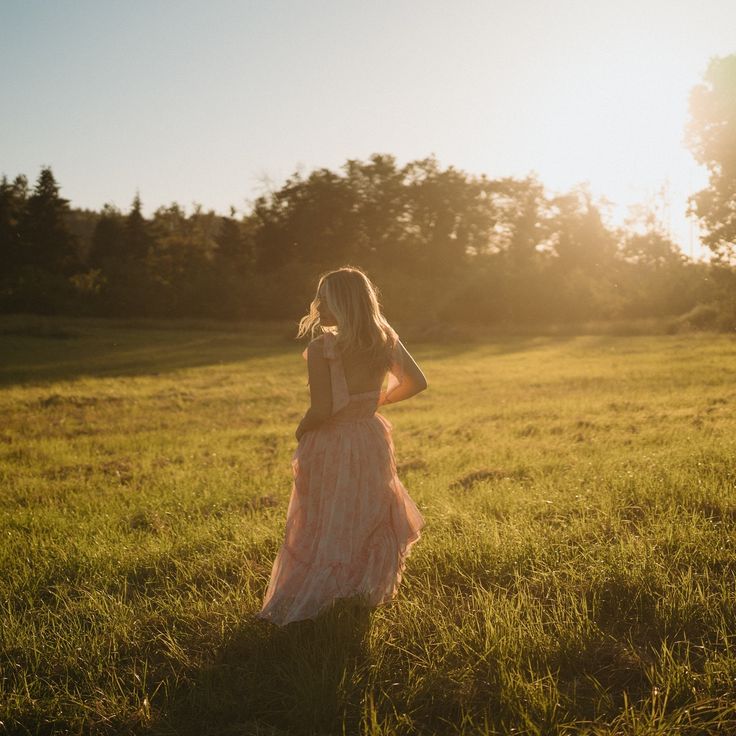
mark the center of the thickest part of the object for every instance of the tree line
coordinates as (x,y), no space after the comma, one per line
(442,245)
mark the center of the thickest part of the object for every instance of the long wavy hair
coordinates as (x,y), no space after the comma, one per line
(361,326)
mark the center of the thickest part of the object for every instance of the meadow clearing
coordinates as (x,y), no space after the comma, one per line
(576,573)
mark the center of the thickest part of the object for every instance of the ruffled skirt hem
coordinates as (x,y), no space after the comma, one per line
(276,611)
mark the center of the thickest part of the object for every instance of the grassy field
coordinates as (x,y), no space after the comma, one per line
(576,574)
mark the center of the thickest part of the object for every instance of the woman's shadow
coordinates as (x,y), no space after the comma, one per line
(304,678)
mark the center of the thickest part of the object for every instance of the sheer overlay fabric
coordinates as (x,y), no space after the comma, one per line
(350,523)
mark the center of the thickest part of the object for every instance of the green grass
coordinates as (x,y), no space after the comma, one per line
(576,574)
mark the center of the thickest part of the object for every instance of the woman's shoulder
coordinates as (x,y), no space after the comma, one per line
(322,345)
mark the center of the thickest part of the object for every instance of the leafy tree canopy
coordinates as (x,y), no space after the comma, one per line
(711,135)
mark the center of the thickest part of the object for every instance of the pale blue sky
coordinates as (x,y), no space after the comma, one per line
(208,102)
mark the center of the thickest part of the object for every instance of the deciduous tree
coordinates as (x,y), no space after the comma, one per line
(711,134)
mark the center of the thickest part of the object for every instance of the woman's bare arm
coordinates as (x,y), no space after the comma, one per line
(320,390)
(409,379)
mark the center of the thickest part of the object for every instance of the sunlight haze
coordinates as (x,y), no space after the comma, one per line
(213,103)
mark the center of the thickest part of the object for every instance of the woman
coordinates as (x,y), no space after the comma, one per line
(350,523)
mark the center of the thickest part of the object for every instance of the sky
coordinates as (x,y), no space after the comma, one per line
(217,102)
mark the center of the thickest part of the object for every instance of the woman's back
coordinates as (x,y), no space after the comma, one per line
(362,375)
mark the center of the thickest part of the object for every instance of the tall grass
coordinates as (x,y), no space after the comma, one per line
(576,574)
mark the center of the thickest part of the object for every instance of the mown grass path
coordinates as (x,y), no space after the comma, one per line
(576,574)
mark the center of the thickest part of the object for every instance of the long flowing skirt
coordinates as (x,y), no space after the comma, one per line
(350,523)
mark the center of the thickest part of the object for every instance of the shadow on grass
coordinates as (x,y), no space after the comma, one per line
(304,678)
(42,350)
(39,351)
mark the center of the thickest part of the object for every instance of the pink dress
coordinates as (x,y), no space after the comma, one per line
(350,523)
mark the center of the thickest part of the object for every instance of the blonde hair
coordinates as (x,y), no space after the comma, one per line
(361,327)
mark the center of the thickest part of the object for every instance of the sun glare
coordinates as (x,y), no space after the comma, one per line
(614,116)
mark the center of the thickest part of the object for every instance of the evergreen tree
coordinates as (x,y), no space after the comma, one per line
(46,241)
(229,292)
(120,250)
(137,236)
